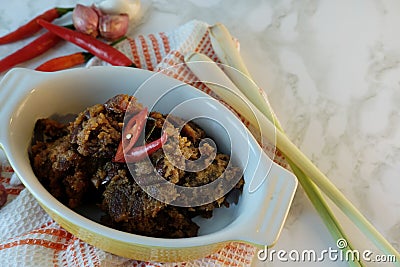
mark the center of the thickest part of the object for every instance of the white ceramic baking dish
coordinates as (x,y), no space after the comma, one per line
(27,95)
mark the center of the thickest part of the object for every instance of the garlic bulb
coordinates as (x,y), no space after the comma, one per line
(114,7)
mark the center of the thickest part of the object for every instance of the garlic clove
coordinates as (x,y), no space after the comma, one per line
(112,27)
(86,20)
(115,7)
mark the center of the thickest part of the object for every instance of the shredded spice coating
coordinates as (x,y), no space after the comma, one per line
(74,161)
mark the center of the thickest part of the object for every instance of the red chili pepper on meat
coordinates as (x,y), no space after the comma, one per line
(31,50)
(134,127)
(32,26)
(90,44)
(131,133)
(138,153)
(65,62)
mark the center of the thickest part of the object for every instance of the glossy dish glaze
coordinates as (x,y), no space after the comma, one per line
(257,219)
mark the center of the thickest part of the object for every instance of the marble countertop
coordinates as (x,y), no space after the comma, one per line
(331,70)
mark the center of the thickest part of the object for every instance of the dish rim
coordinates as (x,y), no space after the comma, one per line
(46,199)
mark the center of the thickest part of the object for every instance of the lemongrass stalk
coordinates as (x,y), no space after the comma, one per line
(230,56)
(208,72)
(223,45)
(310,170)
(212,75)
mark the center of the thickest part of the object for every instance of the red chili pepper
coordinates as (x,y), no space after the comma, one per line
(138,153)
(31,50)
(90,44)
(131,133)
(69,61)
(65,62)
(134,127)
(32,26)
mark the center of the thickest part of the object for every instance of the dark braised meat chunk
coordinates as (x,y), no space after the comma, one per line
(65,156)
(133,210)
(48,130)
(75,163)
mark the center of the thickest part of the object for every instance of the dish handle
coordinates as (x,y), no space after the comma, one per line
(6,90)
(268,223)
(11,94)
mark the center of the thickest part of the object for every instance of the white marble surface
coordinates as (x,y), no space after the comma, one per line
(332,72)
